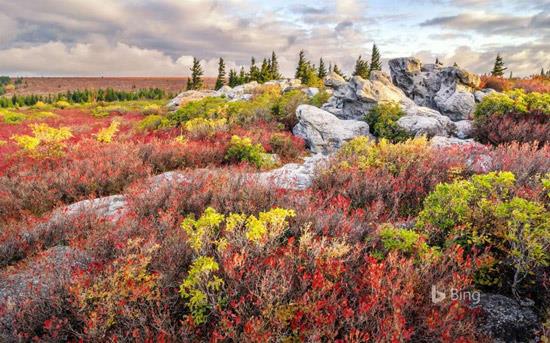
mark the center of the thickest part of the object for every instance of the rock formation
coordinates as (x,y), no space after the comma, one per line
(323,131)
(449,90)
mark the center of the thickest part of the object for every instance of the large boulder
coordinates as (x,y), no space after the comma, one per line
(293,175)
(323,131)
(420,121)
(448,90)
(463,129)
(353,99)
(506,320)
(188,96)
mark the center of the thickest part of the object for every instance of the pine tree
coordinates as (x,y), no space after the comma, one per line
(196,75)
(243,78)
(275,75)
(322,69)
(499,68)
(375,63)
(254,72)
(542,73)
(265,72)
(511,76)
(220,81)
(233,78)
(337,71)
(302,66)
(455,64)
(361,68)
(189,85)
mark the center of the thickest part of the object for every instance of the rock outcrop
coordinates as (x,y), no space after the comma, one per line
(188,96)
(293,175)
(506,320)
(449,90)
(323,131)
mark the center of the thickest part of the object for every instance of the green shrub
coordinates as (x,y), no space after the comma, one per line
(201,128)
(12,117)
(62,104)
(243,150)
(209,107)
(483,212)
(151,109)
(402,240)
(284,108)
(153,122)
(2,90)
(382,120)
(320,98)
(512,102)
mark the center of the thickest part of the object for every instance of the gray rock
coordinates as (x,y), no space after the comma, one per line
(334,80)
(444,142)
(353,99)
(464,129)
(112,207)
(420,121)
(188,96)
(293,175)
(448,90)
(323,131)
(506,320)
(36,288)
(479,95)
(310,91)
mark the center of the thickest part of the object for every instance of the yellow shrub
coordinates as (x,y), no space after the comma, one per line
(62,104)
(200,127)
(105,135)
(45,142)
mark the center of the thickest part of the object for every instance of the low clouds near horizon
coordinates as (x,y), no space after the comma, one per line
(159,38)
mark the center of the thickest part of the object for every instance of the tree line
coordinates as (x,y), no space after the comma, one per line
(306,71)
(84,96)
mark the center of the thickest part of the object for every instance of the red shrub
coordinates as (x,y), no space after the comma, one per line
(499,84)
(522,128)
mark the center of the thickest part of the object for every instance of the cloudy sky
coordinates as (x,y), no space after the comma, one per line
(159,37)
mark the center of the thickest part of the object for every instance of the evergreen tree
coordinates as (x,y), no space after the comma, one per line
(220,81)
(254,72)
(189,85)
(233,78)
(196,75)
(455,64)
(322,70)
(274,66)
(511,76)
(330,68)
(375,63)
(265,72)
(542,73)
(361,68)
(337,71)
(499,68)
(437,62)
(301,69)
(243,78)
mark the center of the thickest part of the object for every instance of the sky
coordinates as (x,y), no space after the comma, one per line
(160,37)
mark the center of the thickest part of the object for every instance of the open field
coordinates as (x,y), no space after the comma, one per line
(53,85)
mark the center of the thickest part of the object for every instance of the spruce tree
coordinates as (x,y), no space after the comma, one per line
(542,73)
(189,86)
(233,78)
(196,75)
(301,69)
(322,69)
(254,72)
(243,78)
(511,75)
(499,68)
(275,75)
(220,81)
(337,71)
(361,68)
(265,72)
(375,63)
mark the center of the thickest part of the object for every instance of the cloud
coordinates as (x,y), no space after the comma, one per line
(493,24)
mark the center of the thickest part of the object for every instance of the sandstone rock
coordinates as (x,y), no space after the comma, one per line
(446,89)
(506,320)
(310,91)
(334,80)
(479,95)
(464,129)
(443,142)
(188,96)
(352,100)
(323,131)
(293,175)
(420,121)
